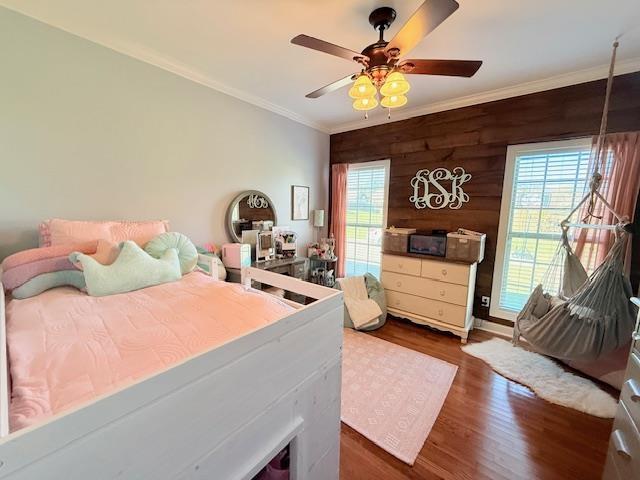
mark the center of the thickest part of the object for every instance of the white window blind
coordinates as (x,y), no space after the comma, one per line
(545,185)
(367,187)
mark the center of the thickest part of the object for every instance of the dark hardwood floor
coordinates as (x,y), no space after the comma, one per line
(489,427)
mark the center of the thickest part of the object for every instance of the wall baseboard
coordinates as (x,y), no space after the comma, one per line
(493,327)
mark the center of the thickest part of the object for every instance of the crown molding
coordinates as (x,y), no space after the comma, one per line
(171,65)
(558,81)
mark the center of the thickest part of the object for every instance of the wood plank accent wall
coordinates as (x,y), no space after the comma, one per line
(476,138)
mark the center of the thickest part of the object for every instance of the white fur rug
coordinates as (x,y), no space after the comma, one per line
(545,377)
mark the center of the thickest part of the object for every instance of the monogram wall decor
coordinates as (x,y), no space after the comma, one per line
(430,192)
(256,201)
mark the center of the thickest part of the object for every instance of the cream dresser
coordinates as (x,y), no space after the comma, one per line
(623,457)
(432,292)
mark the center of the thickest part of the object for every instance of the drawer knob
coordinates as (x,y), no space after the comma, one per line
(634,388)
(398,284)
(444,271)
(619,443)
(397,302)
(440,312)
(442,293)
(399,265)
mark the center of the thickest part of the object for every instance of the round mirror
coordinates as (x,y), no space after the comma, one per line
(251,210)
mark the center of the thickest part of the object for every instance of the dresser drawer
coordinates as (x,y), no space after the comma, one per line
(393,263)
(630,393)
(624,445)
(425,287)
(443,312)
(446,272)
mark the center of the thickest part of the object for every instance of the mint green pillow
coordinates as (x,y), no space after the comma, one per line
(47,281)
(133,269)
(187,252)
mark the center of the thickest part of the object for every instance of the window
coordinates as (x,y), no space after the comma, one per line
(543,183)
(367,190)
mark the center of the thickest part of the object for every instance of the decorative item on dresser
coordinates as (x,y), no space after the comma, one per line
(623,458)
(430,291)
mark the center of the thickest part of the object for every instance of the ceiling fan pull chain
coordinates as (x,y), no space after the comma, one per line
(366,115)
(389,114)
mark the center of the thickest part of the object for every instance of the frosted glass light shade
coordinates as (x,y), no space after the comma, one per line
(362,88)
(394,101)
(395,84)
(318,218)
(365,103)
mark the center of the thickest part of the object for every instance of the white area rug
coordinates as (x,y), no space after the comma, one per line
(390,394)
(545,377)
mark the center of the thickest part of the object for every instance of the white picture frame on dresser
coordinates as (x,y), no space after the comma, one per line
(430,291)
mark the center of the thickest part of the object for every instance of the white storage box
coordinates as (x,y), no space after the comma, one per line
(466,246)
(236,255)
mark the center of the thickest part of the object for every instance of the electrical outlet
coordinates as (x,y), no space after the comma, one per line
(485,301)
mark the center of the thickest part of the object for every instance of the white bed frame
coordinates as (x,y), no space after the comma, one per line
(222,414)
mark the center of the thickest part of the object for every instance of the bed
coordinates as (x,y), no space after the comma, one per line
(201,402)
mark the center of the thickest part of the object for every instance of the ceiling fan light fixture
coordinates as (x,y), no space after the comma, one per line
(362,88)
(395,84)
(365,103)
(394,101)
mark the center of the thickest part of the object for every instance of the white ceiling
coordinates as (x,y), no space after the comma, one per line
(242,47)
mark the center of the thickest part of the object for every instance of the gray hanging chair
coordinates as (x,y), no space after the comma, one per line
(586,317)
(584,323)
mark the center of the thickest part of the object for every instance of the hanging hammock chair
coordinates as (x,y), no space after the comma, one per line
(581,317)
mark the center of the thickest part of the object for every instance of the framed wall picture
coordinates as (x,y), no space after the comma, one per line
(299,202)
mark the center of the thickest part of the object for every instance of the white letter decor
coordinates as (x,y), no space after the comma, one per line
(256,201)
(429,192)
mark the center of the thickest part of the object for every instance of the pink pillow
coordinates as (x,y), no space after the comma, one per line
(15,277)
(44,234)
(106,253)
(63,232)
(59,232)
(139,232)
(35,254)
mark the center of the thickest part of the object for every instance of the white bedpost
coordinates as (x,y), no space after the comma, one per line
(211,262)
(4,374)
(245,277)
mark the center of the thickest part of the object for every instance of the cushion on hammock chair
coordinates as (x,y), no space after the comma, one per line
(541,305)
(574,275)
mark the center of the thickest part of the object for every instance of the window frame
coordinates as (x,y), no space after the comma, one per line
(513,152)
(386,163)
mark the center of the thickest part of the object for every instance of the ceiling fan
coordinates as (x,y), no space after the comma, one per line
(383,63)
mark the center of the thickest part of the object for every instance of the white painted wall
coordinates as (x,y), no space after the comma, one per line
(88,133)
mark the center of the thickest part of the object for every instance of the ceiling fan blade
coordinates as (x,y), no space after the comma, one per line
(331,87)
(452,68)
(424,20)
(326,47)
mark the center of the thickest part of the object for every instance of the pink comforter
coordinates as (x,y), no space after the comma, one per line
(66,347)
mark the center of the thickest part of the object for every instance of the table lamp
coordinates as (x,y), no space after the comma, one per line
(318,220)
